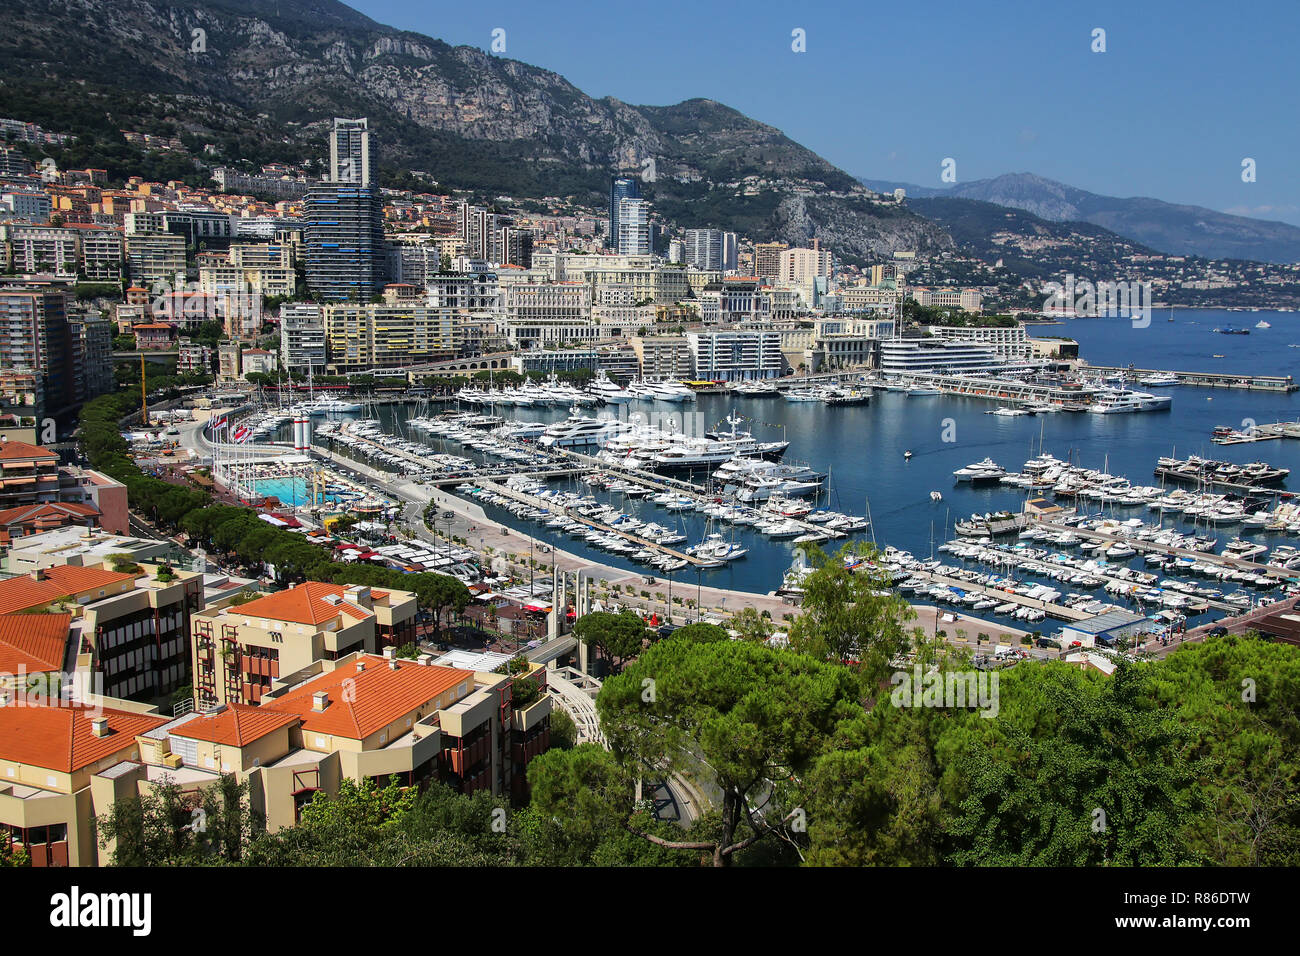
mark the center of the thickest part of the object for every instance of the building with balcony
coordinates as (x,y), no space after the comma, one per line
(241,649)
(364,717)
(134,624)
(735,355)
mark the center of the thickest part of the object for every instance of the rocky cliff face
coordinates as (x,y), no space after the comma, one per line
(282,68)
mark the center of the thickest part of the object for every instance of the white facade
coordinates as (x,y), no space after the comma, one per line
(732,355)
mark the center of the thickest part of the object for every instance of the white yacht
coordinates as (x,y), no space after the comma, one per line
(578,430)
(672,392)
(803,395)
(608,391)
(981,471)
(1160,380)
(1124,401)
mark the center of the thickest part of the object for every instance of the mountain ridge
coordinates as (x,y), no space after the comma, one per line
(277,71)
(1171,228)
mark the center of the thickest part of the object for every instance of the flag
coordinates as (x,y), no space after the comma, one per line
(242,433)
(217,423)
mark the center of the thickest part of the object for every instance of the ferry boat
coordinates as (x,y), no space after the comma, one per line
(1231,330)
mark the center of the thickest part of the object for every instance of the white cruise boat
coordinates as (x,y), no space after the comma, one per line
(607,391)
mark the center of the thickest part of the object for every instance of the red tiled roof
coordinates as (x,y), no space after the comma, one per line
(63,580)
(11,450)
(304,604)
(235,726)
(61,738)
(26,513)
(363,702)
(35,642)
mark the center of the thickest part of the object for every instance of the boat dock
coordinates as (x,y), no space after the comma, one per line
(1058,611)
(1236,564)
(1247,382)
(541,503)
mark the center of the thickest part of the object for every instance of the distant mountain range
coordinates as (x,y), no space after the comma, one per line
(255,81)
(1166,227)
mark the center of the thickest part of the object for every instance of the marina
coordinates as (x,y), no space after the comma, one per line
(707,486)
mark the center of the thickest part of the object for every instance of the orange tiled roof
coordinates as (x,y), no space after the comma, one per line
(24,513)
(11,450)
(374,698)
(304,604)
(36,642)
(237,725)
(61,738)
(63,580)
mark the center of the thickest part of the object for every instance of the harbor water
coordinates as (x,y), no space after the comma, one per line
(863,447)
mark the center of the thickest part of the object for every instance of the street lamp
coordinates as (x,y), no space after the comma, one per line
(698,590)
(448,516)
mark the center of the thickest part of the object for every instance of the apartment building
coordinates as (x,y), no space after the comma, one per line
(302,338)
(633,227)
(31,474)
(364,717)
(802,266)
(387,335)
(49,756)
(102,252)
(193,357)
(767,259)
(241,649)
(734,300)
(735,355)
(134,624)
(49,250)
(155,257)
(664,357)
(1008,342)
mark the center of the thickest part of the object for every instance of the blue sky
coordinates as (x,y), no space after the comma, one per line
(1185,90)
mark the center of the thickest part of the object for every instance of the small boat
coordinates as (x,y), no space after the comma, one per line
(907,455)
(935,496)
(1261,324)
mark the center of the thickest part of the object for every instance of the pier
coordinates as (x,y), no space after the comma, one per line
(1246,382)
(1235,564)
(1059,611)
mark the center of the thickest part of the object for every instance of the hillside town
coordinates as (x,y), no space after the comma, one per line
(270,539)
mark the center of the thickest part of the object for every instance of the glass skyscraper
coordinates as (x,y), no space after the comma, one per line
(345,254)
(620,188)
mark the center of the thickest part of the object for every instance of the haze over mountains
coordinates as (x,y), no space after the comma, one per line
(1165,227)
